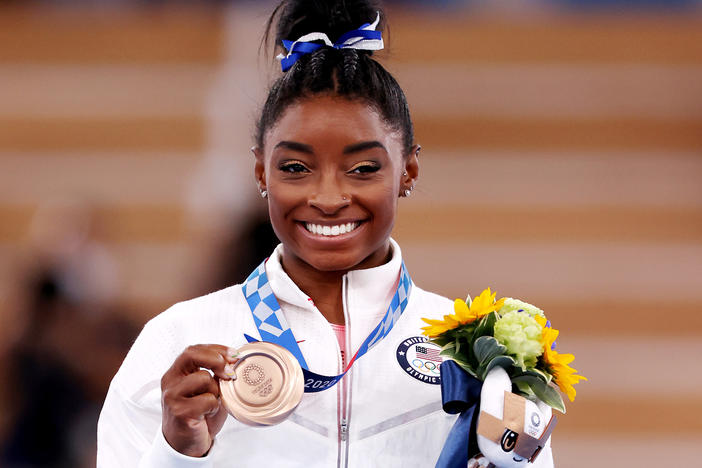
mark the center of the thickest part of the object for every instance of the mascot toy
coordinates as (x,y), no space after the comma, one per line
(512,431)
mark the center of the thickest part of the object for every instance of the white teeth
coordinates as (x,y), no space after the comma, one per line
(331,231)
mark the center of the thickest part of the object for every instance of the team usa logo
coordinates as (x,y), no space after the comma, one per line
(420,359)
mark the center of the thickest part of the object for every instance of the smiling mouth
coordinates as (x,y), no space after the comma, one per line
(517,459)
(331,231)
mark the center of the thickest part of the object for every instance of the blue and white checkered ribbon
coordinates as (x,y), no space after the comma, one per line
(363,38)
(272,326)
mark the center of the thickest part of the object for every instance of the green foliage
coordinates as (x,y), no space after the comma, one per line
(474,348)
(533,384)
(505,362)
(486,326)
(486,348)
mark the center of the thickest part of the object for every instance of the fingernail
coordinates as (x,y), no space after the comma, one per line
(232,353)
(229,371)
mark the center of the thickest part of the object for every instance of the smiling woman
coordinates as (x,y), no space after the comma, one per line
(333,171)
(334,154)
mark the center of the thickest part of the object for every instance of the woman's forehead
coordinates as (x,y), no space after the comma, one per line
(332,120)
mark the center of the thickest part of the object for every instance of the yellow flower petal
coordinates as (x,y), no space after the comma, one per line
(463,313)
(564,375)
(460,307)
(485,303)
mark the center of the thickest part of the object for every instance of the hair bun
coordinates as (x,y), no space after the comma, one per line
(334,18)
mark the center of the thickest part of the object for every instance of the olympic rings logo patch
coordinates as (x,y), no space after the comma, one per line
(428,366)
(420,359)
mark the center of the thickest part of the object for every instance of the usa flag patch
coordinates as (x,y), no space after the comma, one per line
(420,359)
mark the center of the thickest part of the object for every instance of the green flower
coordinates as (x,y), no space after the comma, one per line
(517,305)
(521,334)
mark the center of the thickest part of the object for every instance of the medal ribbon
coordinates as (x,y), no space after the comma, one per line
(273,328)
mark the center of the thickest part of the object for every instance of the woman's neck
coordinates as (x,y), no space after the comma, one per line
(324,287)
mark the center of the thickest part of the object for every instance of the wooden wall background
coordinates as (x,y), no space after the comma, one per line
(561,163)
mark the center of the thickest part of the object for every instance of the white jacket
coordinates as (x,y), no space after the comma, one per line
(393,410)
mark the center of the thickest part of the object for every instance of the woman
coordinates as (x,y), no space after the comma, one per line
(334,153)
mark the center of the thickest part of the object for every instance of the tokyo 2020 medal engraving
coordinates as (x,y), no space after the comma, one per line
(267,387)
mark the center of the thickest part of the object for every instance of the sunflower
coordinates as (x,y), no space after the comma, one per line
(464,313)
(564,375)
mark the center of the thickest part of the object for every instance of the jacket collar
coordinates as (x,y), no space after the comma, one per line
(369,290)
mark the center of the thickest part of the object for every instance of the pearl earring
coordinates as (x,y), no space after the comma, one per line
(407,192)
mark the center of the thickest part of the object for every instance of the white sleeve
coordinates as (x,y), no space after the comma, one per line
(127,438)
(129,429)
(162,454)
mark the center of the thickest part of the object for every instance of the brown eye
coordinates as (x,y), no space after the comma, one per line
(293,167)
(365,168)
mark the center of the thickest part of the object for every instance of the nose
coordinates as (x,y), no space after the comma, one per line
(328,196)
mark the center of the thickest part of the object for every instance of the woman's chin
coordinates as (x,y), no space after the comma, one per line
(342,260)
(333,261)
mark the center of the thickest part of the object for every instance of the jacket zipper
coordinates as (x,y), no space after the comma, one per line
(345,400)
(343,426)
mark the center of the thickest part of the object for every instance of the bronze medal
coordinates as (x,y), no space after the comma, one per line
(267,387)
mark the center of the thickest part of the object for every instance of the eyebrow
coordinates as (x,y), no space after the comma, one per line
(364,145)
(350,149)
(295,146)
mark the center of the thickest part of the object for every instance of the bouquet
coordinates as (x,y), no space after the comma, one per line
(484,333)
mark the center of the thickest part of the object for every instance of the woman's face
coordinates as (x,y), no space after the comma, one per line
(333,171)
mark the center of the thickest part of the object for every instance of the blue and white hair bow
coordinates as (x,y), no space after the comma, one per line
(363,38)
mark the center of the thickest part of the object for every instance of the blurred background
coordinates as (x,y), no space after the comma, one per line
(561,163)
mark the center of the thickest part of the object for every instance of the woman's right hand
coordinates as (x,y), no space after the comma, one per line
(191,407)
